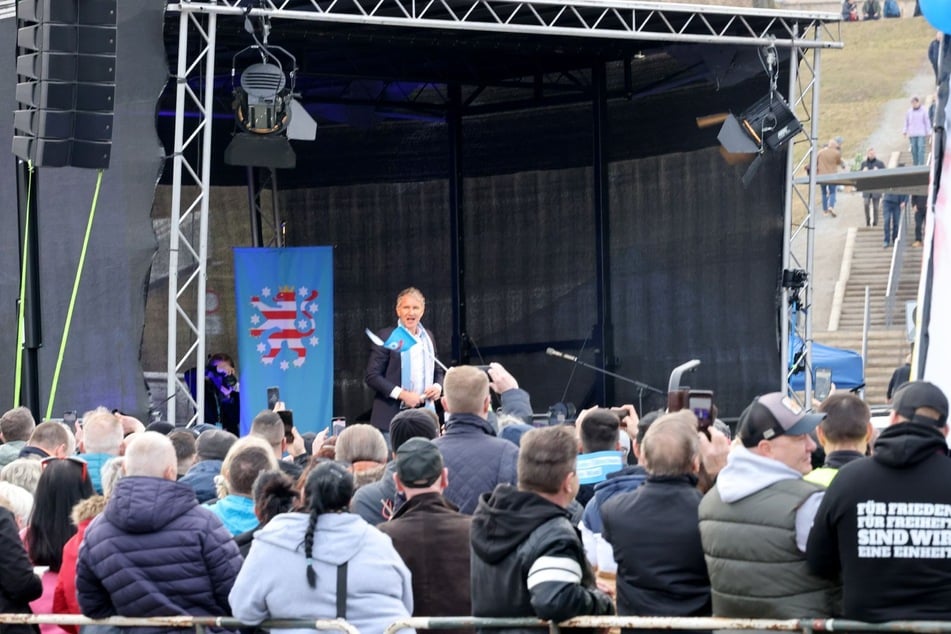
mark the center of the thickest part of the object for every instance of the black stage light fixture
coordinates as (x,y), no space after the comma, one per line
(765,126)
(264,104)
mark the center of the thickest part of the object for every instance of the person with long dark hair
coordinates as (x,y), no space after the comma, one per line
(63,483)
(299,560)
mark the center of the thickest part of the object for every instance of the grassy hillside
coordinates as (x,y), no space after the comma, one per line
(878,60)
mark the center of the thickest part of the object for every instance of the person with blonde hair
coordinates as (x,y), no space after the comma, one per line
(23,472)
(406,377)
(248,457)
(100,440)
(363,447)
(469,445)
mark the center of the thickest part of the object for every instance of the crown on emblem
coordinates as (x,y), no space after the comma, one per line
(285,289)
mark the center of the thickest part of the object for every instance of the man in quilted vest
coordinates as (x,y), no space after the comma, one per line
(154,551)
(754,524)
(476,458)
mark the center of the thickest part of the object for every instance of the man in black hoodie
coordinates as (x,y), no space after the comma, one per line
(885,521)
(527,557)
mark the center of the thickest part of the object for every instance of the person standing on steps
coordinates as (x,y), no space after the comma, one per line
(871,201)
(917,129)
(828,161)
(892,205)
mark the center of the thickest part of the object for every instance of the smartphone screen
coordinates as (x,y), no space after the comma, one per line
(273,396)
(69,417)
(823,383)
(337,425)
(287,417)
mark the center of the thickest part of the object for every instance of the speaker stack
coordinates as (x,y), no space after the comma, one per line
(66,82)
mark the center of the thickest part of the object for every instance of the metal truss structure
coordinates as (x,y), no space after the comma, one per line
(803,34)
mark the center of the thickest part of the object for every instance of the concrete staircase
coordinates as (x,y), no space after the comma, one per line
(888,345)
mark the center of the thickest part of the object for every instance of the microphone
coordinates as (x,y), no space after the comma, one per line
(551,352)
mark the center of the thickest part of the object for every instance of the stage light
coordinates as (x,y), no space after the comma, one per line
(266,114)
(765,126)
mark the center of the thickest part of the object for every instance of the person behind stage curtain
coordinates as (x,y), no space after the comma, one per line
(407,379)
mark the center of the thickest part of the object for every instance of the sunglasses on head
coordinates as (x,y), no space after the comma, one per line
(45,462)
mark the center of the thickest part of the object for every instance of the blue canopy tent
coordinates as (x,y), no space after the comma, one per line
(848,371)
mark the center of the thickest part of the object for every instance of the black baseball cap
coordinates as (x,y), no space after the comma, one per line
(418,463)
(772,415)
(916,394)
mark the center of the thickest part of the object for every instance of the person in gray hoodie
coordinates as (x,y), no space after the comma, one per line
(754,523)
(298,560)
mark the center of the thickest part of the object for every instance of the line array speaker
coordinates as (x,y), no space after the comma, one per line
(66,86)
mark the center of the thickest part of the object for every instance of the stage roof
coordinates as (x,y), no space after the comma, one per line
(396,56)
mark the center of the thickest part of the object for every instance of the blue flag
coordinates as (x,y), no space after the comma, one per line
(400,340)
(285,310)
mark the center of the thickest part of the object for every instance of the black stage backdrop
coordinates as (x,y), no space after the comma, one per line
(695,258)
(101,364)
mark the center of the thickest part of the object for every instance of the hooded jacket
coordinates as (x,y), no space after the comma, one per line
(272,583)
(155,552)
(885,522)
(477,460)
(527,560)
(753,526)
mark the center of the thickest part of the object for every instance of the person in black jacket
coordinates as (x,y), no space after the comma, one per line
(661,572)
(18,584)
(527,558)
(885,521)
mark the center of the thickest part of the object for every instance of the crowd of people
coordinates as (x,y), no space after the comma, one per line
(484,514)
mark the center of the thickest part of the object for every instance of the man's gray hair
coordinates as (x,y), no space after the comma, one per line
(151,455)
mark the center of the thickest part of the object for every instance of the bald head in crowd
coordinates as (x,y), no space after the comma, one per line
(151,455)
(466,391)
(102,432)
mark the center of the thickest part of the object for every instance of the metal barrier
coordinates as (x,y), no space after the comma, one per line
(806,626)
(200,623)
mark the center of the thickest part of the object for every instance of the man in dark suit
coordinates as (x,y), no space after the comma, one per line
(404,378)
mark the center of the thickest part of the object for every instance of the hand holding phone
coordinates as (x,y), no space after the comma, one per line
(287,417)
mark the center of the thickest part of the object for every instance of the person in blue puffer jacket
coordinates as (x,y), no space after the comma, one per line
(154,551)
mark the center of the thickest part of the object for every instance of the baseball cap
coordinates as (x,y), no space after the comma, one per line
(418,463)
(916,394)
(772,415)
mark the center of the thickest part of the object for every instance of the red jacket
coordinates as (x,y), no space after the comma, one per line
(64,596)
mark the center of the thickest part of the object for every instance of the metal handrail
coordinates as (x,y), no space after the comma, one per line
(894,271)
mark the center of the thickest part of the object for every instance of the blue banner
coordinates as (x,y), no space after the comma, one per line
(285,311)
